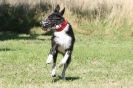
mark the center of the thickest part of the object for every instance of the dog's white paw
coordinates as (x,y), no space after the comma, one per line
(62,63)
(53,73)
(49,59)
(64,60)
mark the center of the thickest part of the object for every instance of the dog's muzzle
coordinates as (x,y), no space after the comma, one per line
(44,24)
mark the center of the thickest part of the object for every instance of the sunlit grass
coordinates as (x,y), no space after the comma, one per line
(95,63)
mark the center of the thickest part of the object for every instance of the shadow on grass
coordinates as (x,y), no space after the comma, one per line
(67,78)
(72,78)
(9,36)
(15,36)
(6,49)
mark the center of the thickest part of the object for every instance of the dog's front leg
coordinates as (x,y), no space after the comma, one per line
(52,52)
(52,59)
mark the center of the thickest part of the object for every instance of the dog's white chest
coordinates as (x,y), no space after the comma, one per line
(62,39)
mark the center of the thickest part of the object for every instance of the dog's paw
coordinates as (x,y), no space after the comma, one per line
(53,73)
(60,65)
(63,61)
(49,59)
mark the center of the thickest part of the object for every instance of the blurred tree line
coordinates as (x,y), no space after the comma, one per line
(21,18)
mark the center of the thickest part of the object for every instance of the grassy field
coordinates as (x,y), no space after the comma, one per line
(96,63)
(103,51)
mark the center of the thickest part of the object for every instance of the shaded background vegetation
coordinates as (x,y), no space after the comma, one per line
(21,17)
(102,18)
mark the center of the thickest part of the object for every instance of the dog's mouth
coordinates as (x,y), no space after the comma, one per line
(44,26)
(46,29)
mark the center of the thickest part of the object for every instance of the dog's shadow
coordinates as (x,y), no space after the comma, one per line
(67,79)
(72,78)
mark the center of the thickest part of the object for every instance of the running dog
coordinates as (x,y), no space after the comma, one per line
(62,40)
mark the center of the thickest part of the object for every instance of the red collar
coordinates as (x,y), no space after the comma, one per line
(62,26)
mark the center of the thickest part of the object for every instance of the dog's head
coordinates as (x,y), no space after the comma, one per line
(53,19)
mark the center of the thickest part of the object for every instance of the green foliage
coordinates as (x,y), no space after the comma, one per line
(20,18)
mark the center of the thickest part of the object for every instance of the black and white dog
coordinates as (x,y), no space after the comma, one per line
(62,40)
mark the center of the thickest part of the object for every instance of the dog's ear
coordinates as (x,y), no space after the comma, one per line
(62,12)
(57,9)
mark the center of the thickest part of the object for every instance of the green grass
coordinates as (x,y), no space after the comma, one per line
(96,63)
